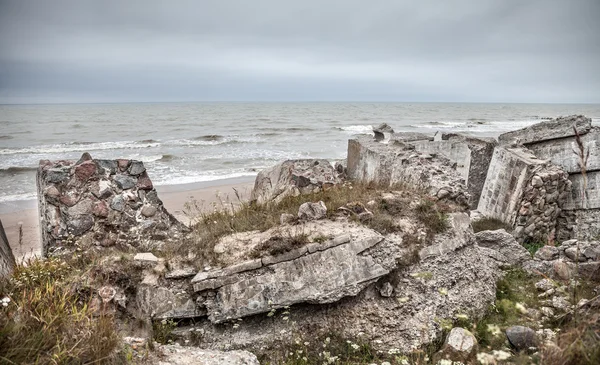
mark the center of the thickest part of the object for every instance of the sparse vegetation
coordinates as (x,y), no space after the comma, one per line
(47,321)
(227,217)
(278,245)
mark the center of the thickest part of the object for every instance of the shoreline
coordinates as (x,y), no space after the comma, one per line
(24,213)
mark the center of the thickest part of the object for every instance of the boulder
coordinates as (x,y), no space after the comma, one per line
(312,211)
(522,338)
(511,253)
(293,177)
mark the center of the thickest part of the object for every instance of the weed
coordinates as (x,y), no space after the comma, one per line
(533,246)
(45,321)
(433,216)
(162,331)
(277,245)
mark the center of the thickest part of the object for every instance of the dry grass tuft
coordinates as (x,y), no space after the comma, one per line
(47,321)
(278,245)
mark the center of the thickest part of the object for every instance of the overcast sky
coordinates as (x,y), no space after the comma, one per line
(302,50)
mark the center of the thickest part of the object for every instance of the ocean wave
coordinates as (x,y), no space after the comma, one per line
(79,147)
(167,158)
(207,176)
(209,137)
(18,197)
(16,169)
(356,129)
(5,137)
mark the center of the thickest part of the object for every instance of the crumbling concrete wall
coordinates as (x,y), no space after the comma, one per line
(7,259)
(471,155)
(556,141)
(524,192)
(101,202)
(397,162)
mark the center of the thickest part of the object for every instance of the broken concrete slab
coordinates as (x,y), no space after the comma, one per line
(294,277)
(561,127)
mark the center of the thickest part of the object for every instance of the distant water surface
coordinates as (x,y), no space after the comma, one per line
(191,142)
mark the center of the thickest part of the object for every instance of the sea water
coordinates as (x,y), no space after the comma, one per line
(184,143)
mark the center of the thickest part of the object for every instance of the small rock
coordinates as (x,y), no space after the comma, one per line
(80,225)
(124,182)
(521,337)
(145,257)
(381,130)
(460,345)
(572,253)
(136,168)
(544,285)
(100,209)
(312,211)
(365,216)
(287,218)
(547,253)
(547,311)
(117,203)
(560,303)
(85,170)
(148,211)
(386,290)
(107,293)
(537,182)
(144,182)
(561,269)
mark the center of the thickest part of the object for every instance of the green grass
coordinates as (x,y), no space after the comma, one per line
(49,321)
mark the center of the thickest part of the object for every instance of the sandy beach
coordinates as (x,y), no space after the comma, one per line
(20,218)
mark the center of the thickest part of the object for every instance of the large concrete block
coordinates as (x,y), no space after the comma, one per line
(7,260)
(556,128)
(471,155)
(564,152)
(524,192)
(388,164)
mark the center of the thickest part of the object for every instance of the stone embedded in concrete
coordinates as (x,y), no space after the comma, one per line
(548,130)
(293,177)
(7,259)
(85,201)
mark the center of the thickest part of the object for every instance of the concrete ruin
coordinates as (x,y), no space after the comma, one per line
(7,259)
(524,192)
(471,155)
(556,141)
(398,162)
(101,202)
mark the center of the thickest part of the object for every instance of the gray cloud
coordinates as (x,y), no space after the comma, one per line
(509,50)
